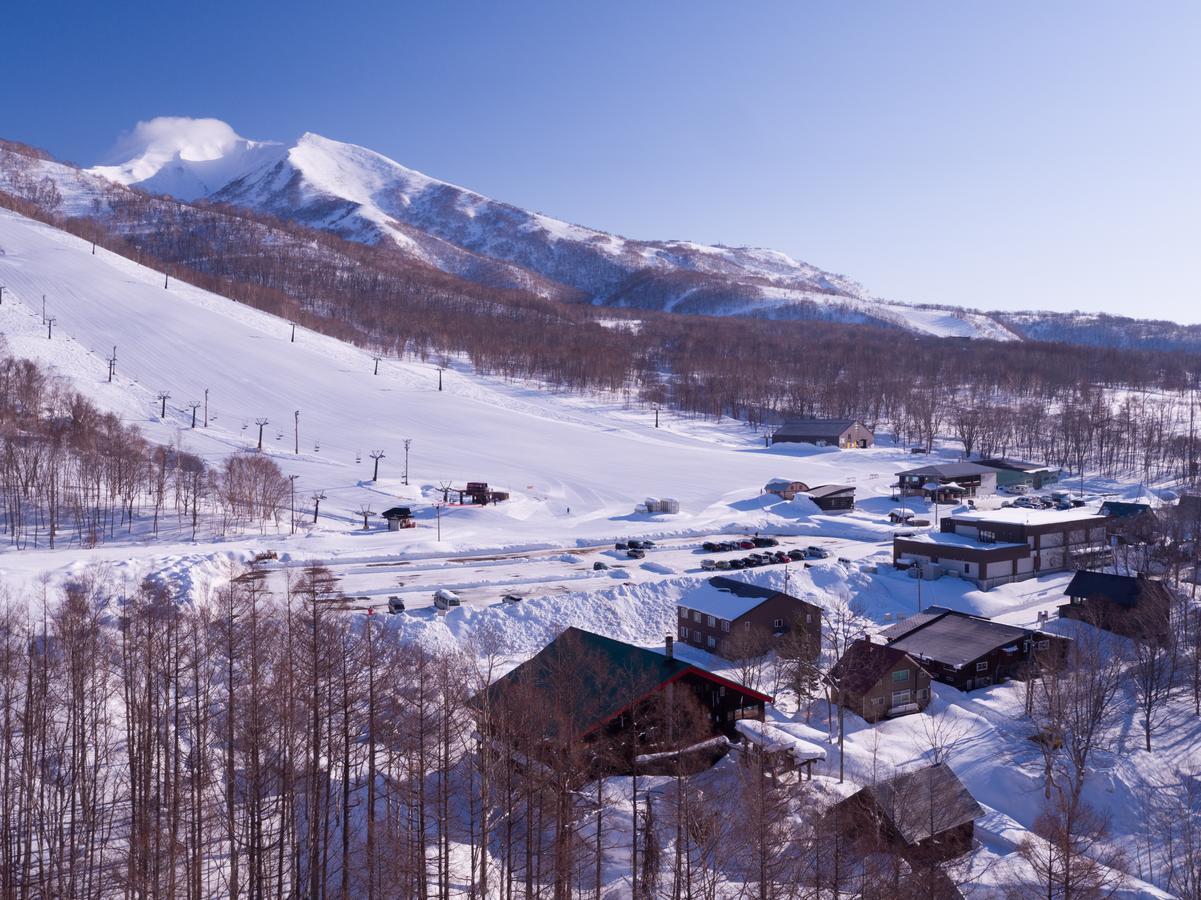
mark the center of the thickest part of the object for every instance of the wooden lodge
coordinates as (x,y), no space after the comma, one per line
(969,652)
(845,433)
(607,705)
(925,814)
(731,618)
(833,497)
(1133,606)
(877,681)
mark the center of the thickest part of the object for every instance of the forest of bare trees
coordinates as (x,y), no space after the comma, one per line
(72,475)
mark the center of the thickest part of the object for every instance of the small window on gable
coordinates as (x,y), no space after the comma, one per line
(777,623)
(725,625)
(982,666)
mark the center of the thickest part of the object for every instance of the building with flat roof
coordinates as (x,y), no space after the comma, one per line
(999,546)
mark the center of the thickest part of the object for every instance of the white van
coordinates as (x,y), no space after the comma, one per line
(444,599)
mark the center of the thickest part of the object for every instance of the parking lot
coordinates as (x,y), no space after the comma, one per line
(485,579)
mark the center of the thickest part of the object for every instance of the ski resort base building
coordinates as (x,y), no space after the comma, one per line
(1000,546)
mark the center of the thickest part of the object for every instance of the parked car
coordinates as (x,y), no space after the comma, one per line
(511,598)
(723,564)
(815,552)
(599,566)
(444,599)
(737,564)
(396,605)
(1016,489)
(634,545)
(648,545)
(708,564)
(636,553)
(621,545)
(746,545)
(710,547)
(796,554)
(765,542)
(780,556)
(726,546)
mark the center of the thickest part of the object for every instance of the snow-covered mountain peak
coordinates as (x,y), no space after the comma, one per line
(186,158)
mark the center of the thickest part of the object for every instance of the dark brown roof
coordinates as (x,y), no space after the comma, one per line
(830,490)
(954,638)
(924,802)
(864,664)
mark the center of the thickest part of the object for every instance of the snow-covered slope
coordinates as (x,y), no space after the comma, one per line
(364,196)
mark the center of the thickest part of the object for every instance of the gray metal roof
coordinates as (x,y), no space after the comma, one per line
(956,639)
(817,428)
(950,470)
(829,490)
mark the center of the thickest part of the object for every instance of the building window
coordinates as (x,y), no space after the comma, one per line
(748,624)
(879,701)
(923,693)
(899,698)
(684,634)
(683,612)
(900,675)
(777,623)
(725,625)
(982,666)
(710,621)
(696,615)
(712,641)
(808,618)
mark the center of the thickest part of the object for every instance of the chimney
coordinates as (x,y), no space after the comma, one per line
(671,647)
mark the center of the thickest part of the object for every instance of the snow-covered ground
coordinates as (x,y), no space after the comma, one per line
(575,466)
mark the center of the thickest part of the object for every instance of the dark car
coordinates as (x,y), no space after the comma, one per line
(796,554)
(621,545)
(709,547)
(725,546)
(648,545)
(635,545)
(511,598)
(737,564)
(598,566)
(766,542)
(636,553)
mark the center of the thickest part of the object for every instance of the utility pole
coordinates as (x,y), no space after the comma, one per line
(293,341)
(206,407)
(260,423)
(316,497)
(376,455)
(656,416)
(163,397)
(50,327)
(1,295)
(43,309)
(164,281)
(112,369)
(292,481)
(194,405)
(296,417)
(376,372)
(438,518)
(408,441)
(439,378)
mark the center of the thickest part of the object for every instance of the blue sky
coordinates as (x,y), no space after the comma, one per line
(1017,155)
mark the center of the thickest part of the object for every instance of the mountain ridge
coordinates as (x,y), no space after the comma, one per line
(362,195)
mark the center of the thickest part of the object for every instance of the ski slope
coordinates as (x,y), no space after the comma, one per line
(553,453)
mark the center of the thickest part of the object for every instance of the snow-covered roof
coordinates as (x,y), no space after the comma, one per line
(776,737)
(1018,515)
(950,539)
(726,598)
